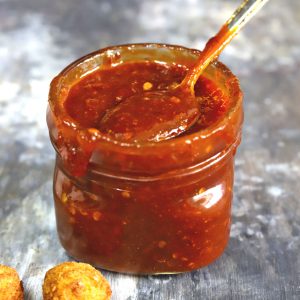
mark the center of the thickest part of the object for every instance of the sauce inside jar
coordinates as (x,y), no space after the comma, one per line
(102,90)
(138,222)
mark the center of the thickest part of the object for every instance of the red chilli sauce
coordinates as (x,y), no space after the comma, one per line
(144,208)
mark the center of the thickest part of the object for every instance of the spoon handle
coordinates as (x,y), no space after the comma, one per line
(244,13)
(215,45)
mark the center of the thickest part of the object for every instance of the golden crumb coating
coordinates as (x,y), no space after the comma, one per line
(75,281)
(10,285)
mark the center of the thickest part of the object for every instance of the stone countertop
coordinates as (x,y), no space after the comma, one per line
(40,37)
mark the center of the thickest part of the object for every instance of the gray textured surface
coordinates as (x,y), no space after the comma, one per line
(39,37)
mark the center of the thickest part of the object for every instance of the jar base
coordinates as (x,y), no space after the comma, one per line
(142,273)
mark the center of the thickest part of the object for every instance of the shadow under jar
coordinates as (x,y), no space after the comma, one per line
(144,208)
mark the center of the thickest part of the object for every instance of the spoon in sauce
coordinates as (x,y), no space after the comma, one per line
(163,114)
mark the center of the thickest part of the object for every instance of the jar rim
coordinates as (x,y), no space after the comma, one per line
(56,86)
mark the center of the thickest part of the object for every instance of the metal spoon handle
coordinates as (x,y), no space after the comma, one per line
(244,13)
(216,44)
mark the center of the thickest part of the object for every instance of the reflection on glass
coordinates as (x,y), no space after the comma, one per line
(209,197)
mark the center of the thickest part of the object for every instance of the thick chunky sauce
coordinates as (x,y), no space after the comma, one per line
(167,225)
(105,90)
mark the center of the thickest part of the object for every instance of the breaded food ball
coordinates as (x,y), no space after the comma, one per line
(10,284)
(74,281)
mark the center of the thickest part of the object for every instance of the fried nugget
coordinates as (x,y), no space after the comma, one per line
(75,281)
(10,285)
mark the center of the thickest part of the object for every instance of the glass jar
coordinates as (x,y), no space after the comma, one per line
(148,208)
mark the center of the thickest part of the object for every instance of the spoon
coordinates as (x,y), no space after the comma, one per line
(163,114)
